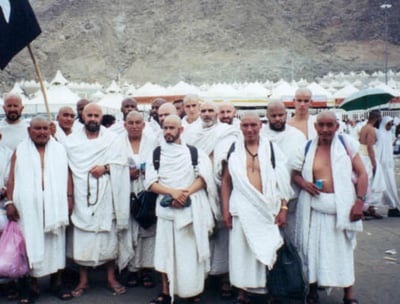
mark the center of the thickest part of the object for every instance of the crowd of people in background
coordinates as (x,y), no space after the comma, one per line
(227,187)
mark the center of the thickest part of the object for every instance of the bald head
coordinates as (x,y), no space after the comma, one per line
(172,129)
(65,118)
(326,115)
(39,130)
(165,110)
(226,112)
(276,115)
(208,114)
(250,124)
(175,119)
(13,108)
(80,105)
(127,105)
(92,115)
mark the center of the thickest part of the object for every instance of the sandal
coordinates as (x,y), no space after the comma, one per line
(226,291)
(162,298)
(350,301)
(62,293)
(118,289)
(147,281)
(132,280)
(79,291)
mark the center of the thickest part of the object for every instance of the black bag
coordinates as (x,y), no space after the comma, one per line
(143,205)
(143,208)
(286,278)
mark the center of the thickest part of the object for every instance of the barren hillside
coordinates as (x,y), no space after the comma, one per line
(200,41)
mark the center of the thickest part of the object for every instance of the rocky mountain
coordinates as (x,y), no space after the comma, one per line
(165,41)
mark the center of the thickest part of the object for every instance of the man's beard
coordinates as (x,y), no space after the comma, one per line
(92,126)
(14,116)
(272,127)
(171,138)
(208,124)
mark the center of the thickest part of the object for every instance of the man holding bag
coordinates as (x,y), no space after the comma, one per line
(37,200)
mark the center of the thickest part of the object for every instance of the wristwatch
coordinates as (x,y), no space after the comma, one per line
(362,198)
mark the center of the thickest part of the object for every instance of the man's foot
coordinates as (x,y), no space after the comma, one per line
(79,290)
(371,212)
(394,212)
(226,291)
(162,298)
(132,280)
(118,289)
(147,280)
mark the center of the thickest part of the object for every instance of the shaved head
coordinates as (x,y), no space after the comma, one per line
(165,110)
(326,114)
(174,119)
(276,105)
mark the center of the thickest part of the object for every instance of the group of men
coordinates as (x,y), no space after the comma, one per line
(226,187)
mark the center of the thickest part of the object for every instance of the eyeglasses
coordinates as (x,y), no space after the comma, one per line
(303,100)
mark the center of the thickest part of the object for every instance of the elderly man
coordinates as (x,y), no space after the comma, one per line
(302,118)
(215,138)
(39,202)
(127,105)
(329,207)
(12,127)
(101,194)
(289,139)
(255,189)
(65,119)
(139,145)
(182,250)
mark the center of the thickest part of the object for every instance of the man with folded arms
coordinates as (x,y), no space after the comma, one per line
(182,252)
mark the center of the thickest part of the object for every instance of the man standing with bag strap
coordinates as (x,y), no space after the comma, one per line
(182,250)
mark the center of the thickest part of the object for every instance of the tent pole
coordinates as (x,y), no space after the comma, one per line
(42,87)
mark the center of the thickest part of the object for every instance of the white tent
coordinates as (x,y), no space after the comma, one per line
(183,88)
(58,96)
(283,91)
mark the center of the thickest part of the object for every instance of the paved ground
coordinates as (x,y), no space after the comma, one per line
(377,272)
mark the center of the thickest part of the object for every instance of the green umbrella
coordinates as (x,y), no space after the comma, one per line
(365,99)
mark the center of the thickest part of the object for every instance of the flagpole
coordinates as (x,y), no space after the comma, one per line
(42,87)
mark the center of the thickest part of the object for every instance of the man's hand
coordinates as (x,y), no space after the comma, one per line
(134,173)
(310,188)
(97,171)
(227,219)
(180,196)
(280,219)
(12,213)
(356,213)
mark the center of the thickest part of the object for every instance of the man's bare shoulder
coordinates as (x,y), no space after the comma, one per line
(366,132)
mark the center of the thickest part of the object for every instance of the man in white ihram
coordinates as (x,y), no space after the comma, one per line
(182,250)
(254,192)
(329,215)
(98,163)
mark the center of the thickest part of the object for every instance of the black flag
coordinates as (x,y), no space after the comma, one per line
(18,27)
